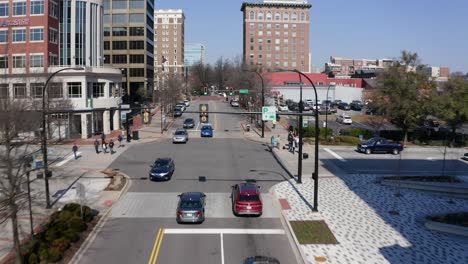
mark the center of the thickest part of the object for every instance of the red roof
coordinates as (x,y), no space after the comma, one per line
(281,78)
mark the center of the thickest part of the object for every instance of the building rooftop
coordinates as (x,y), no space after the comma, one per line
(271,3)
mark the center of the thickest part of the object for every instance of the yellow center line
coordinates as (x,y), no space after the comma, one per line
(157,245)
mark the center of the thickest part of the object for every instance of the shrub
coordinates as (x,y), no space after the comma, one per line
(52,234)
(355,132)
(65,216)
(87,214)
(62,244)
(71,207)
(77,224)
(29,248)
(54,254)
(43,254)
(346,140)
(310,132)
(33,259)
(71,235)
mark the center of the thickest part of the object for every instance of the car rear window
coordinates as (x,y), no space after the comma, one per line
(206,128)
(162,163)
(189,204)
(180,133)
(249,198)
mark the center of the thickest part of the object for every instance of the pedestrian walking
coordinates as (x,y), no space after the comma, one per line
(103,137)
(111,146)
(120,138)
(278,142)
(296,143)
(290,141)
(96,146)
(75,149)
(273,123)
(104,147)
(272,139)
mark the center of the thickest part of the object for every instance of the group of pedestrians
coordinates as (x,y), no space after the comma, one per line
(106,146)
(276,142)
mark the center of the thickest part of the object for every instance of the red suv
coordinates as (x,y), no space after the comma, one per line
(246,199)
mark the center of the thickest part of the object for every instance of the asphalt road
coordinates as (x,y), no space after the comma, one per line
(141,227)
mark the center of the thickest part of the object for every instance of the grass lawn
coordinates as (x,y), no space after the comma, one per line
(312,232)
(424,178)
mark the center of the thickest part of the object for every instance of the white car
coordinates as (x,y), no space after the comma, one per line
(344,119)
(235,104)
(187,103)
(283,108)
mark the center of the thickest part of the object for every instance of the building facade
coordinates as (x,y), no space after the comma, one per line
(169,28)
(194,54)
(339,66)
(129,42)
(34,54)
(276,34)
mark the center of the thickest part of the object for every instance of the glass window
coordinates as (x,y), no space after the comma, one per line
(277,41)
(137,72)
(268,26)
(98,90)
(4,62)
(107,18)
(74,89)
(36,61)
(137,45)
(260,26)
(119,45)
(277,16)
(19,90)
(302,16)
(53,9)
(37,7)
(286,16)
(55,90)
(137,4)
(106,45)
(119,31)
(119,58)
(251,40)
(19,61)
(268,15)
(36,34)
(4,90)
(277,26)
(137,18)
(4,9)
(3,36)
(53,35)
(252,15)
(36,90)
(19,35)
(286,26)
(19,8)
(106,31)
(119,18)
(294,16)
(107,58)
(252,25)
(137,31)
(119,4)
(137,58)
(260,15)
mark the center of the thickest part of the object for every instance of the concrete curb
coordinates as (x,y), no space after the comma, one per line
(300,254)
(79,254)
(446,228)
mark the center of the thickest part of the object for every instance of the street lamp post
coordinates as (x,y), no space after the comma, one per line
(263,99)
(301,106)
(315,174)
(44,132)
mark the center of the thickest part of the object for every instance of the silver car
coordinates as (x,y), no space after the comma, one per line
(191,208)
(180,136)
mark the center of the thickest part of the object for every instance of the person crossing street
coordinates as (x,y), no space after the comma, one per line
(111,146)
(96,146)
(75,149)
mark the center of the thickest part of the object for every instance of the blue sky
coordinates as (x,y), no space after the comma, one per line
(363,29)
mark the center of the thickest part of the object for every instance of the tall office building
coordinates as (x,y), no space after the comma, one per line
(194,54)
(129,42)
(276,34)
(169,40)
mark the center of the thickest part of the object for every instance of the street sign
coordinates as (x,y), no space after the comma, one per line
(38,161)
(125,106)
(268,113)
(244,91)
(123,116)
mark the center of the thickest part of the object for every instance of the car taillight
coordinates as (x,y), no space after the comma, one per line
(199,213)
(180,213)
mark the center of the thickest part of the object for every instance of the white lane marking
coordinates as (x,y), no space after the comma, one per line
(335,155)
(197,126)
(67,159)
(224,231)
(222,249)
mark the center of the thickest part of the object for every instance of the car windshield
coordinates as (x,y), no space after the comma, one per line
(162,164)
(180,133)
(249,198)
(190,204)
(189,121)
(206,128)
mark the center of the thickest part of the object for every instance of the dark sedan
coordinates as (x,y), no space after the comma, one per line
(191,208)
(162,169)
(344,106)
(189,123)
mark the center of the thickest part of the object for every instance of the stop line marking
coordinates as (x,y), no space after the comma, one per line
(335,155)
(232,231)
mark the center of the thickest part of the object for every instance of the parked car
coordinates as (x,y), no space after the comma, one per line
(356,106)
(177,112)
(191,207)
(180,136)
(344,119)
(306,107)
(246,199)
(283,108)
(206,130)
(234,103)
(162,169)
(327,109)
(369,110)
(261,260)
(336,103)
(182,106)
(465,157)
(187,103)
(293,106)
(379,145)
(189,123)
(344,106)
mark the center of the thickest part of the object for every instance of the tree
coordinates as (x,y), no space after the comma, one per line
(452,104)
(16,119)
(404,93)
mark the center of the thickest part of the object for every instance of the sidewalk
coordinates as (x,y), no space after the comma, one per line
(357,211)
(66,173)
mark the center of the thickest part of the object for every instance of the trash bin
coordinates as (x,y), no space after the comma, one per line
(247,127)
(40,175)
(305,155)
(135,135)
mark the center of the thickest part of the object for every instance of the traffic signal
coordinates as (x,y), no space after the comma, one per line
(205,90)
(203,113)
(231,92)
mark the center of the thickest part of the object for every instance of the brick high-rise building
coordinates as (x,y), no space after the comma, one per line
(129,42)
(276,34)
(169,40)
